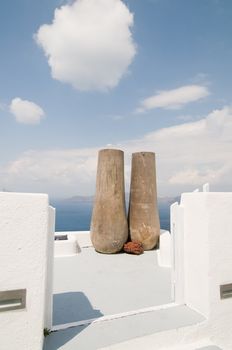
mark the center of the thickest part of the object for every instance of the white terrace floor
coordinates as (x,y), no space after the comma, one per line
(92,285)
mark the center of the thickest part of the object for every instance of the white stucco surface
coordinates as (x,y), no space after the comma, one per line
(208,247)
(177,244)
(202,244)
(64,248)
(149,343)
(82,237)
(72,246)
(196,251)
(206,260)
(91,285)
(164,253)
(50,264)
(24,222)
(127,330)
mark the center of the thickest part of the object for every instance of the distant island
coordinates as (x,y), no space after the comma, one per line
(90,199)
(74,213)
(79,199)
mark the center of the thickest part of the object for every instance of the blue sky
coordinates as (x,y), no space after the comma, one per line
(104,86)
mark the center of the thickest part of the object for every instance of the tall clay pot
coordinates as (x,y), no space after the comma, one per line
(144,222)
(109,227)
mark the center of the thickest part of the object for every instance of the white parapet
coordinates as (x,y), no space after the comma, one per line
(50,264)
(177,237)
(206,260)
(82,237)
(66,245)
(164,251)
(26,242)
(201,235)
(72,243)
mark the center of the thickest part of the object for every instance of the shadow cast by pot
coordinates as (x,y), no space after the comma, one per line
(72,307)
(67,308)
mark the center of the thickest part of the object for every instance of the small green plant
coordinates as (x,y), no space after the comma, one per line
(46,332)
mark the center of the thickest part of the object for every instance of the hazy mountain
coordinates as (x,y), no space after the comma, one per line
(81,199)
(168,200)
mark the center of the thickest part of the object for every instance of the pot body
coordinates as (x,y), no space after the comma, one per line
(109,227)
(144,224)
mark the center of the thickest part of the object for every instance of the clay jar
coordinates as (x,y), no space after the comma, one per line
(144,225)
(109,227)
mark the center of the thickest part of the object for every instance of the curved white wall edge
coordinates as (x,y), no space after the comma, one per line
(113,317)
(82,237)
(164,251)
(64,248)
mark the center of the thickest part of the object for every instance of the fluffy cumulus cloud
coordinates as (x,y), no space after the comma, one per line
(89,43)
(187,156)
(54,171)
(174,99)
(26,112)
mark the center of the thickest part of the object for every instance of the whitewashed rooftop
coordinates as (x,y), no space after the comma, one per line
(117,302)
(105,287)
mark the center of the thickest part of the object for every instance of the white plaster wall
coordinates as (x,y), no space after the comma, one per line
(205,259)
(208,260)
(72,246)
(23,264)
(220,265)
(69,247)
(82,237)
(196,251)
(50,265)
(164,251)
(184,338)
(177,242)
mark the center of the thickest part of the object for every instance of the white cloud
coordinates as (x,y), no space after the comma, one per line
(89,43)
(187,155)
(26,112)
(174,99)
(197,177)
(55,171)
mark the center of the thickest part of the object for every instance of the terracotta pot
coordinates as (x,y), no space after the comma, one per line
(144,224)
(109,228)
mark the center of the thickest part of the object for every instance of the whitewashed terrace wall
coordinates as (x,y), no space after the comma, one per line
(50,266)
(202,258)
(26,236)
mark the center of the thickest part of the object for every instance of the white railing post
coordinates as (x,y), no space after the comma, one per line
(49,272)
(177,236)
(24,223)
(206,187)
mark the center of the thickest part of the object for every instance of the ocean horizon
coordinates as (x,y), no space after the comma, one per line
(75,215)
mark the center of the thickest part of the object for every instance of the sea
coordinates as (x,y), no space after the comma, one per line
(76,215)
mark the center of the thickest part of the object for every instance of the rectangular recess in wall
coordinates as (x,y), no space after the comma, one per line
(12,300)
(226,291)
(61,237)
